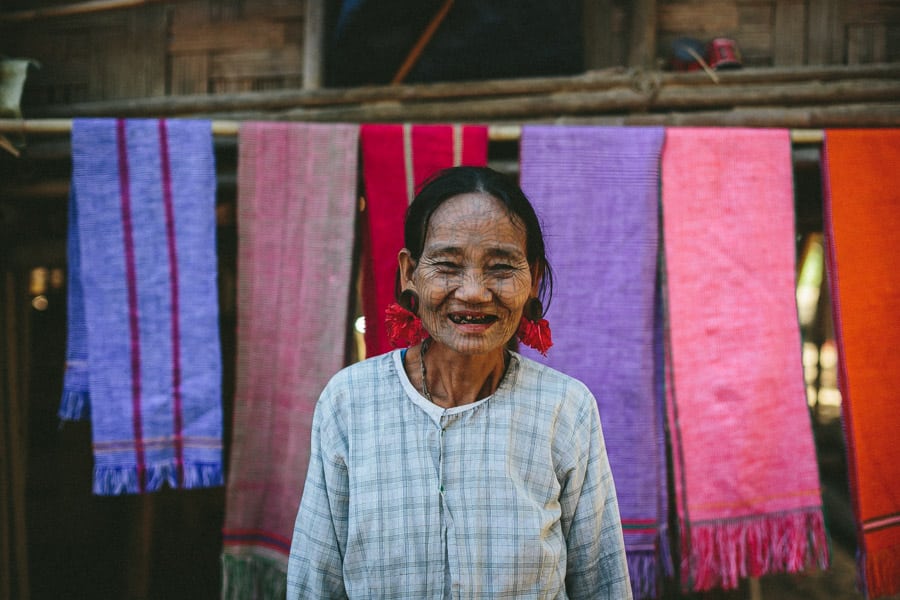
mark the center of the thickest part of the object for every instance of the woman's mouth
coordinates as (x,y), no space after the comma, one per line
(469,318)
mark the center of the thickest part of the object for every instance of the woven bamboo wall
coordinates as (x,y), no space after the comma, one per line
(169,48)
(789,32)
(222,46)
(235,46)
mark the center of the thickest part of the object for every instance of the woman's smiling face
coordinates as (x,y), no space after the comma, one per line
(473,277)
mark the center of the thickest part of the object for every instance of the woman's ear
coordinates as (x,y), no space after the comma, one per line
(537,272)
(407,267)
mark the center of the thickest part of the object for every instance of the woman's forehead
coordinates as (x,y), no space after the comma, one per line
(476,213)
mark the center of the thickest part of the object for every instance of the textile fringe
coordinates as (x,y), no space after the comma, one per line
(719,553)
(665,552)
(880,572)
(250,577)
(114,480)
(202,475)
(644,568)
(74,406)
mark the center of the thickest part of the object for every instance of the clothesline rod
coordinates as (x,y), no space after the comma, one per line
(496,133)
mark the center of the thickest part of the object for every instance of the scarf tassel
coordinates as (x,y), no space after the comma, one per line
(115,480)
(74,406)
(250,576)
(719,553)
(643,567)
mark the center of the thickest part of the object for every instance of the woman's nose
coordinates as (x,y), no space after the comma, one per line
(472,287)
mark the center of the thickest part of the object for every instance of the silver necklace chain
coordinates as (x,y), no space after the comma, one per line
(425,391)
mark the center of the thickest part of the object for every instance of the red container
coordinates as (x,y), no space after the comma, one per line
(723,53)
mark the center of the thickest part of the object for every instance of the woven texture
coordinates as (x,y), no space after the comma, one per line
(296,210)
(143,354)
(596,192)
(861,225)
(746,482)
(397,159)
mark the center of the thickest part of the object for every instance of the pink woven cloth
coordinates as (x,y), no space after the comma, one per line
(746,481)
(296,210)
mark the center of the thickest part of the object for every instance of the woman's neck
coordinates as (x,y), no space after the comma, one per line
(453,379)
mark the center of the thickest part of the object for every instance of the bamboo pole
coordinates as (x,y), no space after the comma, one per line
(620,104)
(17,333)
(456,91)
(67,10)
(413,57)
(313,42)
(642,43)
(496,133)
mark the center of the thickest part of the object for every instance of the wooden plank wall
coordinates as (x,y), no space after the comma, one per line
(185,47)
(236,46)
(221,46)
(117,54)
(788,32)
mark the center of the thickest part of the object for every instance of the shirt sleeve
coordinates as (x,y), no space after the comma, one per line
(315,565)
(596,565)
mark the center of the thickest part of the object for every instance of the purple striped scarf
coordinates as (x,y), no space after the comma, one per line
(595,190)
(143,354)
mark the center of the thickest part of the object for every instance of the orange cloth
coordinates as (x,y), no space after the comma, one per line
(862,222)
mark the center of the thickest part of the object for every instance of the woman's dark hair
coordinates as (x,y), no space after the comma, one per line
(454,181)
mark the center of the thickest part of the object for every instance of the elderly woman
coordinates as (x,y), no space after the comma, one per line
(457,468)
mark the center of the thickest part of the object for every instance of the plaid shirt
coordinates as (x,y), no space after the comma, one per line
(509,497)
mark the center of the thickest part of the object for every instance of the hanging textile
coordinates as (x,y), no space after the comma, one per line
(861,223)
(746,482)
(296,211)
(397,159)
(143,355)
(596,191)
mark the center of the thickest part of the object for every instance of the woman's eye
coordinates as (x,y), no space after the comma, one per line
(447,266)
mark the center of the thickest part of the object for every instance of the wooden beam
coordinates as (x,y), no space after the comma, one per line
(807,121)
(642,42)
(15,423)
(280,100)
(824,25)
(67,10)
(597,32)
(790,33)
(313,44)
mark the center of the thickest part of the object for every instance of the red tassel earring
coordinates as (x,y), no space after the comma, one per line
(404,328)
(534,330)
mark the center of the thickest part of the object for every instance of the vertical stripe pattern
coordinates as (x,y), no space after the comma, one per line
(166,173)
(133,316)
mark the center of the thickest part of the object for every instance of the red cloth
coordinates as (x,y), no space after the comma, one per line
(861,223)
(389,188)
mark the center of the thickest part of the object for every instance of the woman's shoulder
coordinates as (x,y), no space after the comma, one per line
(357,389)
(545,381)
(369,373)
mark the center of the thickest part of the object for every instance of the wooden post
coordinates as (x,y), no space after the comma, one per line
(597,31)
(790,33)
(14,422)
(824,25)
(642,42)
(313,43)
(755,591)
